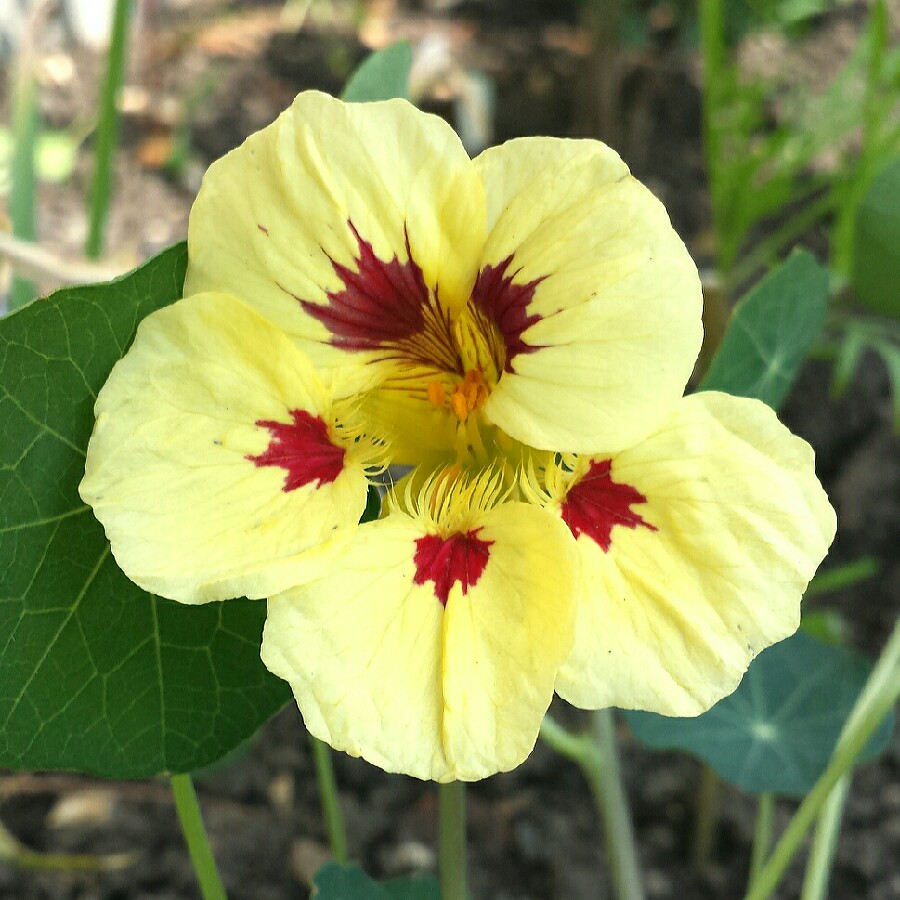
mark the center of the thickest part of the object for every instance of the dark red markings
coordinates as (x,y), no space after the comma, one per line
(382,304)
(445,561)
(506,305)
(596,504)
(303,449)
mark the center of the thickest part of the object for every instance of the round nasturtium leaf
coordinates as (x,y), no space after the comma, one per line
(777,731)
(876,244)
(95,674)
(337,882)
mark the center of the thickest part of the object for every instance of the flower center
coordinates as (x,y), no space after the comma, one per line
(466,396)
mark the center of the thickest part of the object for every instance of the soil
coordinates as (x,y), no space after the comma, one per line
(533,833)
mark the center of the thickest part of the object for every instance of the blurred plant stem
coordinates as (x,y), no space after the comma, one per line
(875,115)
(452,840)
(762,834)
(825,839)
(706,815)
(781,236)
(602,19)
(880,693)
(13,852)
(836,578)
(108,125)
(331,804)
(195,837)
(24,134)
(712,51)
(596,753)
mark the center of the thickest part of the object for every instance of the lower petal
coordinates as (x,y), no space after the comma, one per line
(695,553)
(433,655)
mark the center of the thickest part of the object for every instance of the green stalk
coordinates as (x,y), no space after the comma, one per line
(331,804)
(705,817)
(762,835)
(598,758)
(107,139)
(879,695)
(24,184)
(825,838)
(783,235)
(196,838)
(14,853)
(452,840)
(712,49)
(865,169)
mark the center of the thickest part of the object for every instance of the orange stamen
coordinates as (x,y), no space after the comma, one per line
(436,394)
(470,394)
(458,404)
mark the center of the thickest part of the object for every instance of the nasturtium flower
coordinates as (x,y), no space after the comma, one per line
(517,332)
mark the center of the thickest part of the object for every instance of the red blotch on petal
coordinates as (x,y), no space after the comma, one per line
(381,303)
(596,504)
(444,561)
(304,449)
(506,305)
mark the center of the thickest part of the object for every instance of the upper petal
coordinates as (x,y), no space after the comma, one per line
(594,293)
(696,545)
(348,225)
(216,465)
(432,653)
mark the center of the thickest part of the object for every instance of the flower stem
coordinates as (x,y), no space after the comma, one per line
(331,804)
(879,695)
(613,805)
(706,816)
(762,836)
(107,129)
(452,841)
(825,838)
(598,758)
(196,838)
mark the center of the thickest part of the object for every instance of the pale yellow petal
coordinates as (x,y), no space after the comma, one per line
(708,571)
(383,670)
(276,218)
(200,497)
(600,305)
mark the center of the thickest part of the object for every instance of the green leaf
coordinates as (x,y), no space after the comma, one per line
(876,242)
(95,674)
(777,731)
(337,882)
(825,625)
(413,887)
(382,76)
(771,331)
